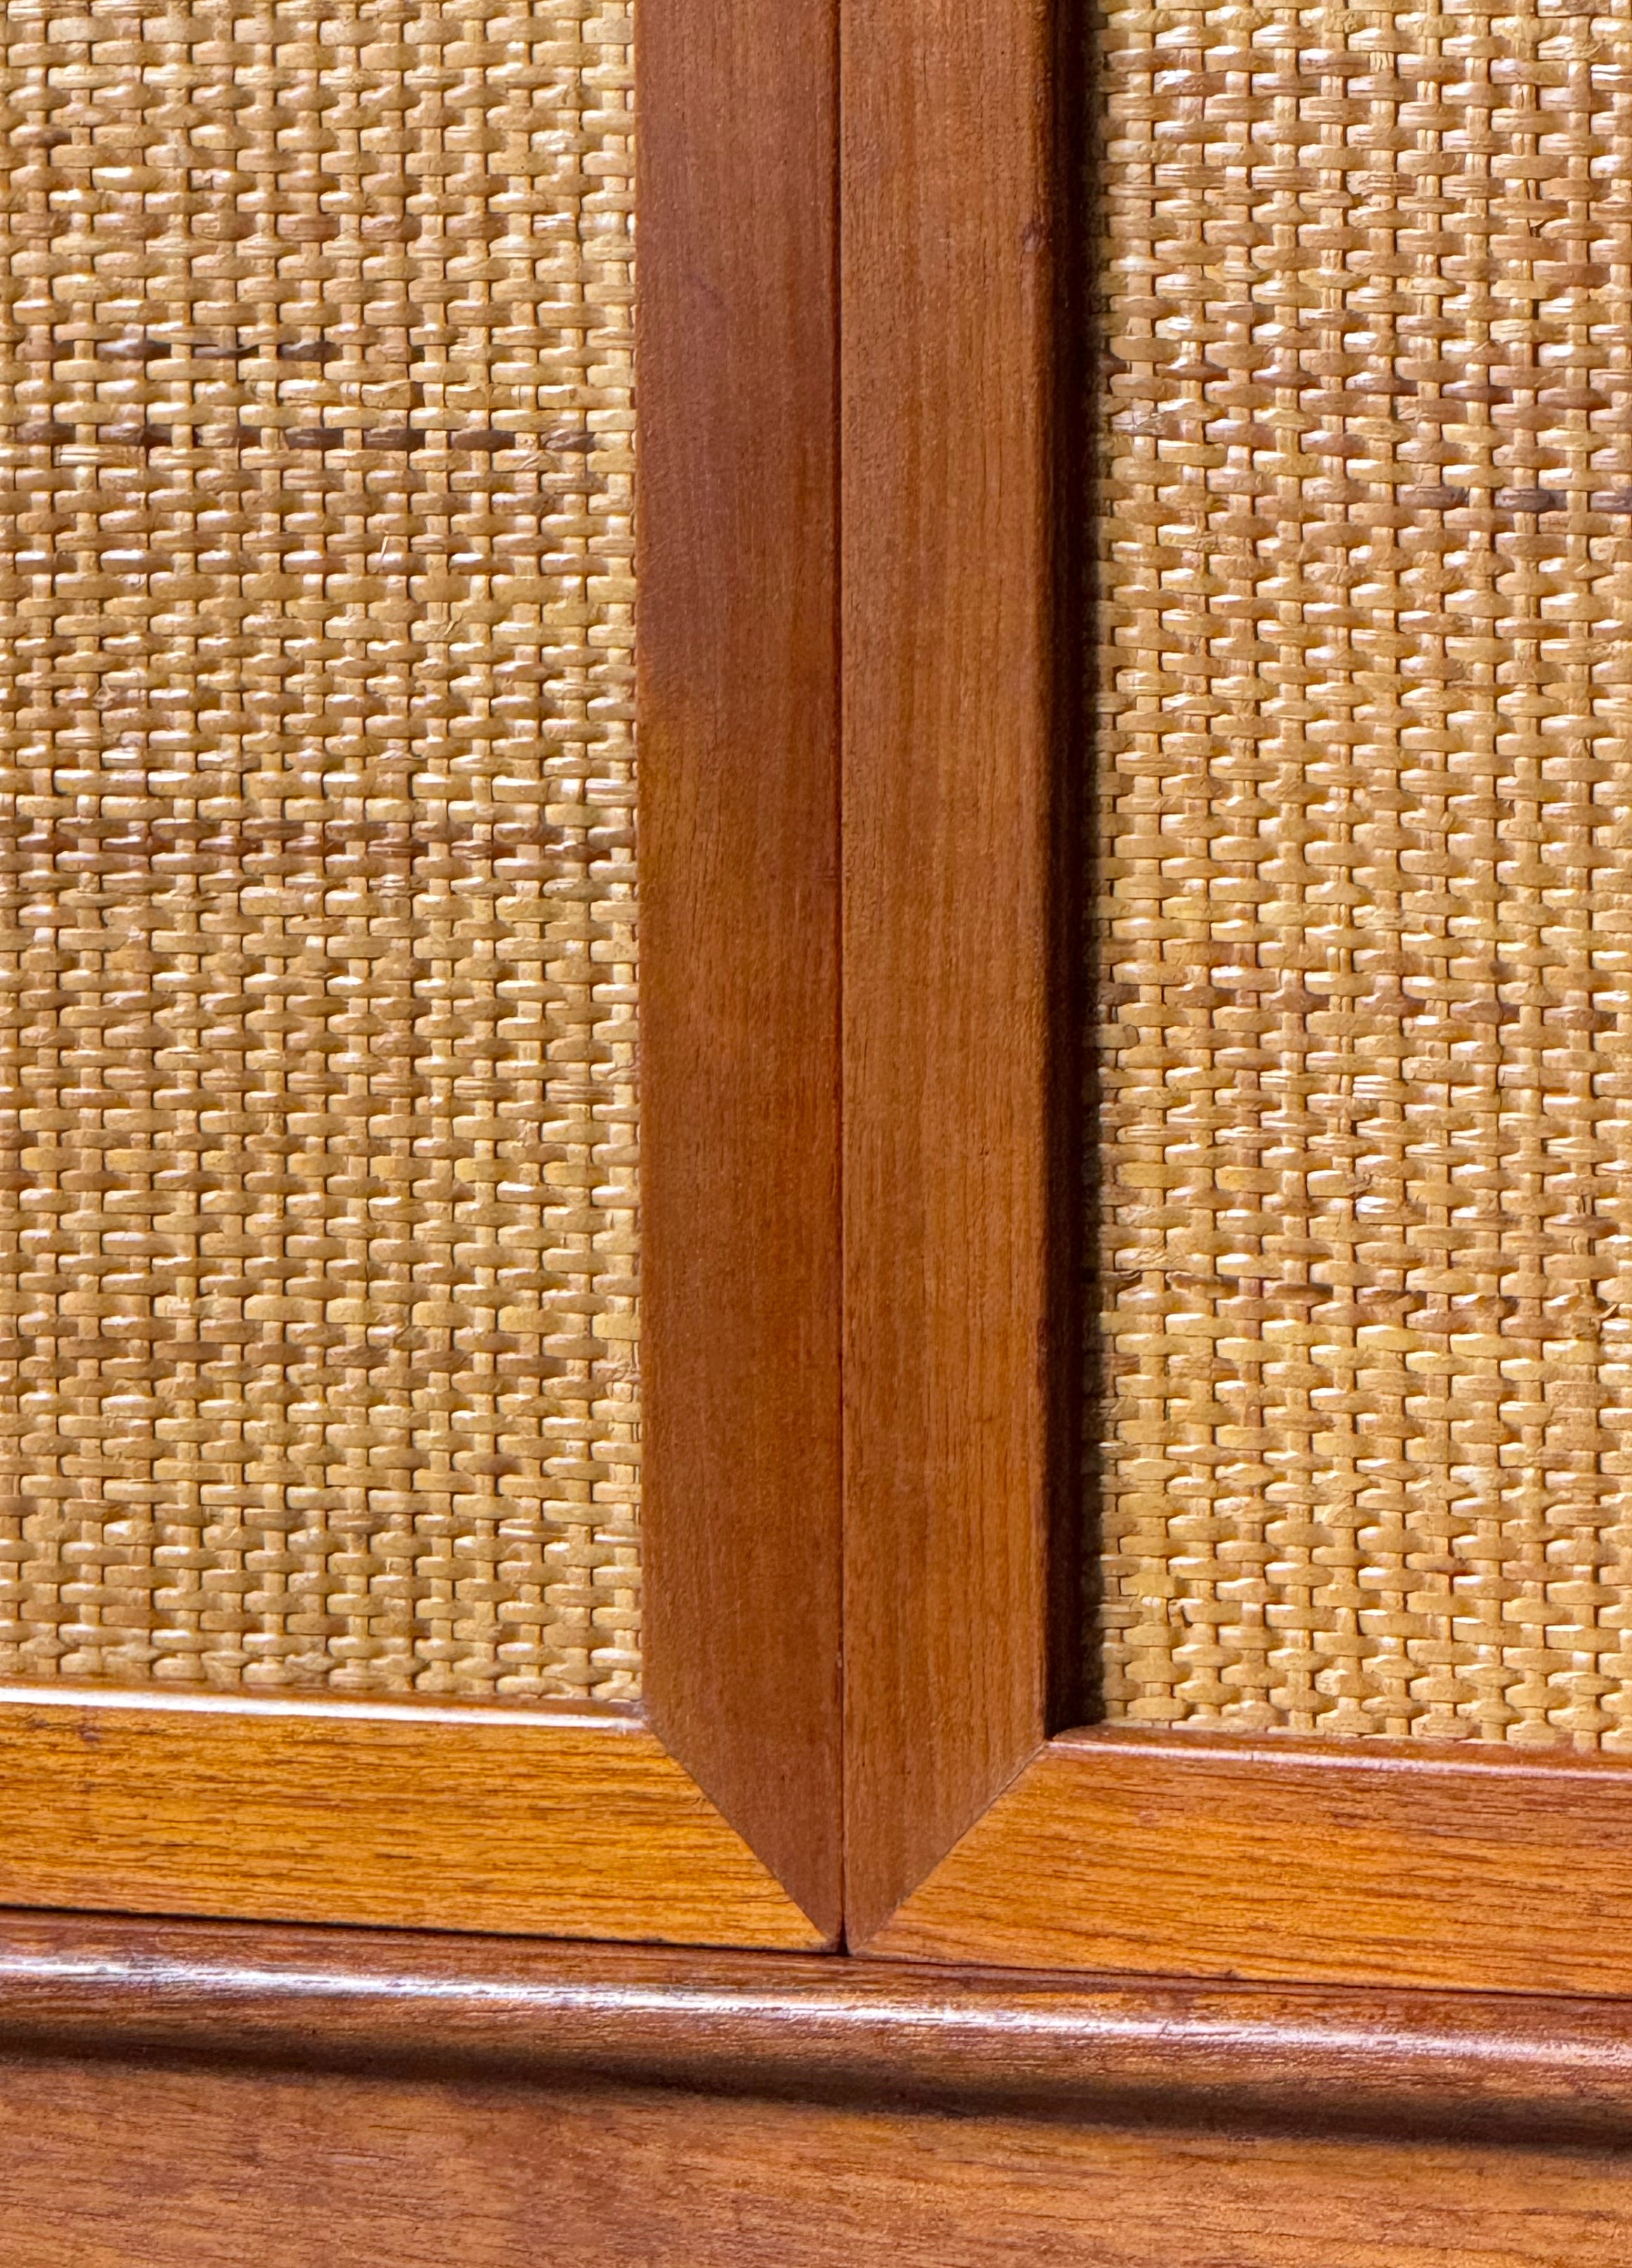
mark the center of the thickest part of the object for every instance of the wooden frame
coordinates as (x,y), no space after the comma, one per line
(712,1815)
(973,1834)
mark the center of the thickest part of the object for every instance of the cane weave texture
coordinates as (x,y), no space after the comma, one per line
(1366,937)
(317,966)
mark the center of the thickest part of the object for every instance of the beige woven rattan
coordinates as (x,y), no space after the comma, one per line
(1367,915)
(317,969)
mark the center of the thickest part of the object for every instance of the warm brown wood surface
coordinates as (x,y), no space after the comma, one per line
(1379,1862)
(540,1822)
(737,660)
(1410,2064)
(947,305)
(130,2165)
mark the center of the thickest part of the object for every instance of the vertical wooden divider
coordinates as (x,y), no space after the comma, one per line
(952,1349)
(737,664)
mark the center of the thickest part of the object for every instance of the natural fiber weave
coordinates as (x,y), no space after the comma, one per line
(316,870)
(1367,943)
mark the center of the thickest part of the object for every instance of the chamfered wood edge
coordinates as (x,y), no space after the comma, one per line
(550,1822)
(737,699)
(1180,2051)
(1281,1858)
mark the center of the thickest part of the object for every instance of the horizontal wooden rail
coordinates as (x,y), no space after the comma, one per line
(1307,2058)
(548,1821)
(1407,1866)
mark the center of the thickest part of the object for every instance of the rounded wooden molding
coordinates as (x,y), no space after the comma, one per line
(820,2026)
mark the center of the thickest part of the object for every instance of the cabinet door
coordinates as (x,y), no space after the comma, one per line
(352,608)
(1297,413)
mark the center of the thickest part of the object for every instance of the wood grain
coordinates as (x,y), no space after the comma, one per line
(737,693)
(536,1822)
(948,297)
(1375,1862)
(1459,2064)
(122,2165)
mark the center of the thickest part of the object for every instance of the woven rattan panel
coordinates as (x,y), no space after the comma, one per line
(1366,1180)
(316,871)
